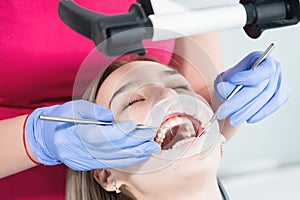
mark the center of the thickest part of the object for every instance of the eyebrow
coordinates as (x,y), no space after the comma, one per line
(123,89)
(133,82)
(170,72)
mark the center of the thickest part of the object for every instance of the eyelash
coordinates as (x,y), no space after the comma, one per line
(181,87)
(138,99)
(133,101)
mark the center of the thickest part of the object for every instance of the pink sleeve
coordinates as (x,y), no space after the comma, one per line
(40,55)
(40,58)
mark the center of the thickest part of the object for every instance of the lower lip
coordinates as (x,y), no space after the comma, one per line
(190,147)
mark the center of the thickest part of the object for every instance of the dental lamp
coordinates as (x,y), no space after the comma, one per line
(124,33)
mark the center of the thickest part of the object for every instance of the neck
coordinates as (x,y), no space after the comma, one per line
(208,191)
(215,192)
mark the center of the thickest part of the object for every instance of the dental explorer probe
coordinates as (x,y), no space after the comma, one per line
(239,87)
(90,121)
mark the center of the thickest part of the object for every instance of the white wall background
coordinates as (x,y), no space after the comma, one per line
(263,160)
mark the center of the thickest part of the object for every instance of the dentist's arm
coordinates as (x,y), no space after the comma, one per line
(12,152)
(199,59)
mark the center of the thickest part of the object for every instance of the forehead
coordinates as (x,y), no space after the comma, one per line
(142,71)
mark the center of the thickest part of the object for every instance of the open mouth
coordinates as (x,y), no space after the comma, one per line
(177,127)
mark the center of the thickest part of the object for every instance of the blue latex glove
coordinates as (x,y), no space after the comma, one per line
(264,91)
(87,146)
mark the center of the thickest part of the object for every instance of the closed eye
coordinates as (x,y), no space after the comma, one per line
(133,101)
(181,87)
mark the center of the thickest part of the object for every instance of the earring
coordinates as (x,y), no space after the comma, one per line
(115,188)
(223,141)
(222,149)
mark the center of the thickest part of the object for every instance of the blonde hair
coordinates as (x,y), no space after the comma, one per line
(81,185)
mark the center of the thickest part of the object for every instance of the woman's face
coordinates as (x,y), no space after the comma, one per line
(132,92)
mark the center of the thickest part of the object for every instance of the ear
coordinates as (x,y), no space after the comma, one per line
(103,177)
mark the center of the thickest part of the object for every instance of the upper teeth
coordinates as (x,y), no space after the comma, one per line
(172,122)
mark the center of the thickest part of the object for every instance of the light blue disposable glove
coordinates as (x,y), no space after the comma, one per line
(264,91)
(87,146)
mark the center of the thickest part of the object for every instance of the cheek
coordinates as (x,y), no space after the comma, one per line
(135,113)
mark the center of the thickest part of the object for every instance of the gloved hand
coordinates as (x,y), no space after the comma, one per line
(87,146)
(264,91)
